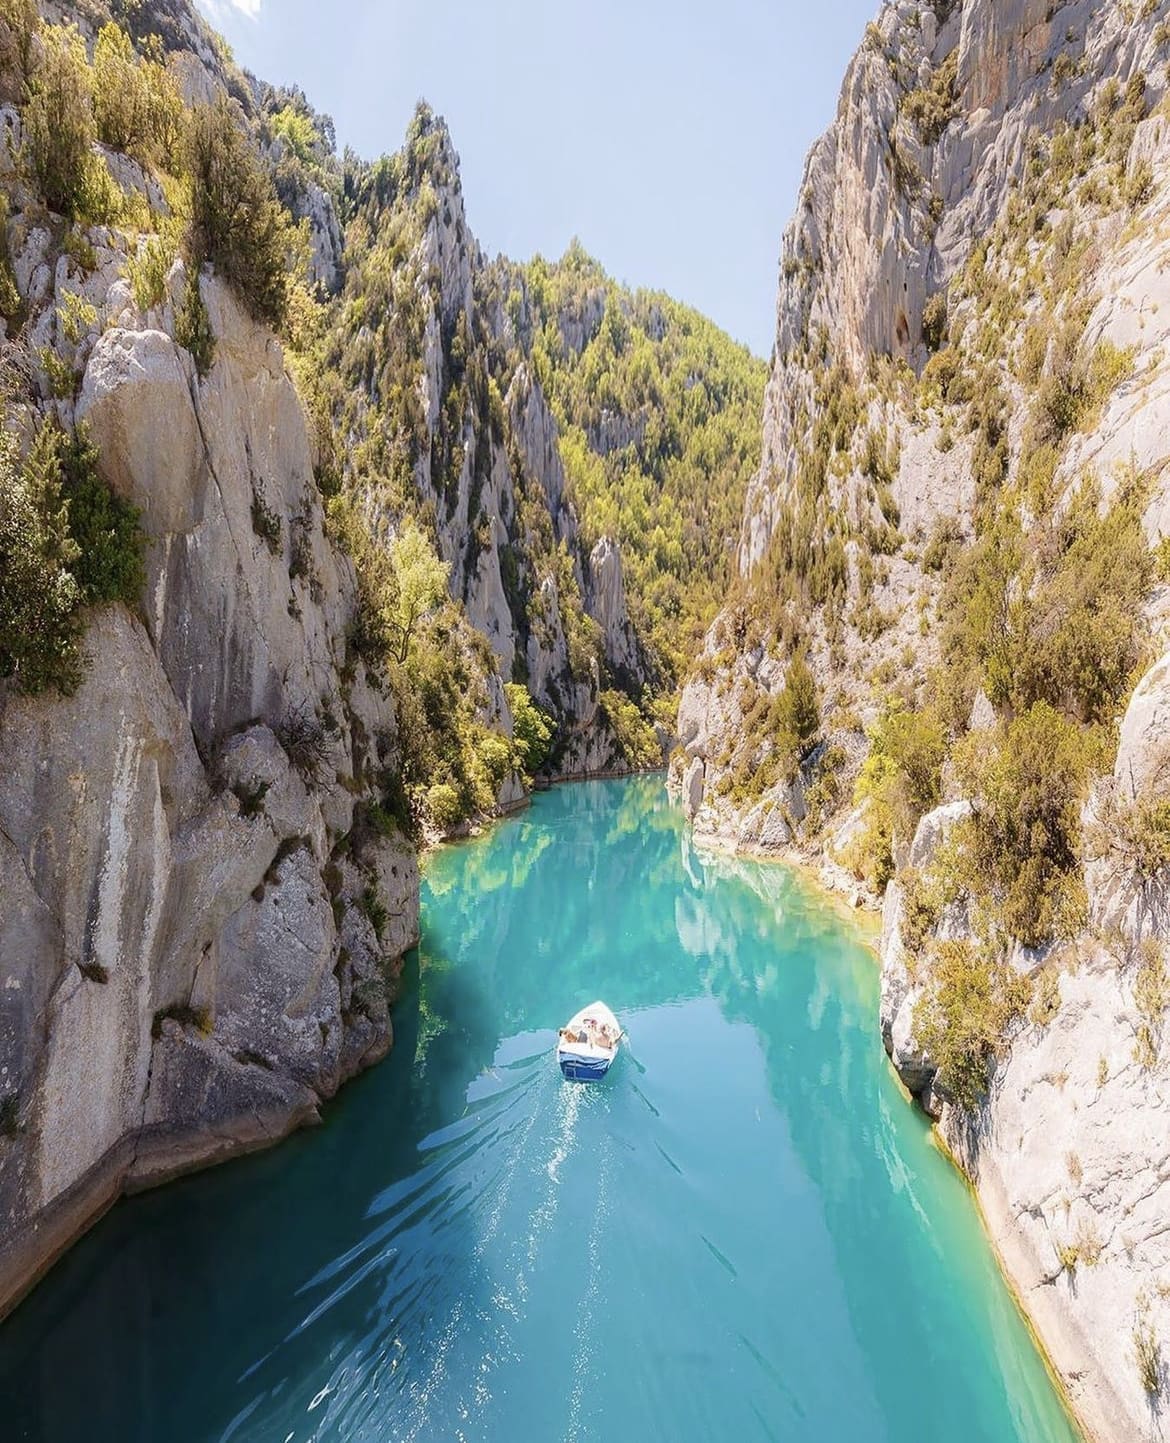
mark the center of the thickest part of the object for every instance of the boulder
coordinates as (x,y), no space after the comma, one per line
(137,388)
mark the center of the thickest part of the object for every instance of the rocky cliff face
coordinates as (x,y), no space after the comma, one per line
(201,927)
(971,346)
(940,156)
(1069,1153)
(484,452)
(204,899)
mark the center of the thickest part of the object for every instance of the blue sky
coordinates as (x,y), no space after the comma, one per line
(669,137)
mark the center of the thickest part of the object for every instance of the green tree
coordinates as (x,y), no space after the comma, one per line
(58,120)
(962,1021)
(1021,848)
(531,728)
(901,779)
(19,23)
(40,627)
(237,223)
(635,736)
(104,527)
(136,105)
(799,714)
(120,98)
(421,585)
(295,127)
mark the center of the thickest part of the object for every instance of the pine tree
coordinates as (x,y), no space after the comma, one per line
(40,625)
(237,223)
(58,120)
(800,715)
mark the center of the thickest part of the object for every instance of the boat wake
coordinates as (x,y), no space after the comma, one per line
(454,1277)
(583,1333)
(570,1106)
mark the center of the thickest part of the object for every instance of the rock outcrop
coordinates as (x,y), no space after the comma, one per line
(901,989)
(989,201)
(890,210)
(1070,1155)
(200,927)
(606,593)
(488,466)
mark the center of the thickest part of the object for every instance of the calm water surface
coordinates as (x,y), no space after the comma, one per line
(743,1233)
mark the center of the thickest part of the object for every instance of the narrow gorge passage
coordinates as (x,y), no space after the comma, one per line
(743,1233)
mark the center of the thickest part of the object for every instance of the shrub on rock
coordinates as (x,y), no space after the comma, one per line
(237,223)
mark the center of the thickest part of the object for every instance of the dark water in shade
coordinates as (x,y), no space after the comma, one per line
(743,1233)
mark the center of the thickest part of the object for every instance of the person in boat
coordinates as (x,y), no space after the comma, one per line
(600,1035)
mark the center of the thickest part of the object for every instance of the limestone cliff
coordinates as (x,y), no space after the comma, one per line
(445,371)
(208,871)
(200,924)
(941,148)
(968,393)
(1069,1154)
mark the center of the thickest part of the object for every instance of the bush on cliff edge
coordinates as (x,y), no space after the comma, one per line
(66,541)
(237,223)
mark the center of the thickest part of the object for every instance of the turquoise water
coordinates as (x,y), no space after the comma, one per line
(743,1233)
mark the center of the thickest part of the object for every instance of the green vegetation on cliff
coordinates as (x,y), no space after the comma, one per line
(424,371)
(391,468)
(685,399)
(970,574)
(66,541)
(660,418)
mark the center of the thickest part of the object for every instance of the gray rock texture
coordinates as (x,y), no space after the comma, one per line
(948,114)
(503,556)
(189,966)
(1070,1155)
(692,788)
(606,596)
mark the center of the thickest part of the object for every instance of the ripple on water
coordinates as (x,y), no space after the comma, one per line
(742,1233)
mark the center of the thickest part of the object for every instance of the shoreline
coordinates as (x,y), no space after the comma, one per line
(104,1188)
(1081,1425)
(477,827)
(865,920)
(865,917)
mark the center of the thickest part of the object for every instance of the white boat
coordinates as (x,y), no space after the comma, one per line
(588,1043)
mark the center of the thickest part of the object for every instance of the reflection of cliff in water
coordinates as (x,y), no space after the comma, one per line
(749,934)
(348,1283)
(570,857)
(808,976)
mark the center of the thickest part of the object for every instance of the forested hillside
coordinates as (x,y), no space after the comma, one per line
(659,417)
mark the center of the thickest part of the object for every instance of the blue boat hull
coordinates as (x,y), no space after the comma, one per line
(584,1069)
